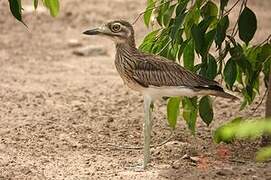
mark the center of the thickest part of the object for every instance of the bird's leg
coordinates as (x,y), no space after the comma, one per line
(147,129)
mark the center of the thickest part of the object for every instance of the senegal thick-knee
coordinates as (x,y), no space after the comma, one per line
(152,75)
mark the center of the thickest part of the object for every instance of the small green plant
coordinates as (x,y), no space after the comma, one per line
(182,29)
(239,128)
(16,7)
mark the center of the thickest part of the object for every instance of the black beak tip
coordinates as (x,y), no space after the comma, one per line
(91,32)
(86,32)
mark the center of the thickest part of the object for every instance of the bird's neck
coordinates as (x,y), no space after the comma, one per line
(128,48)
(127,44)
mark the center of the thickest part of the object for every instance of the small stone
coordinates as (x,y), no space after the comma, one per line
(194,159)
(90,51)
(185,157)
(251,170)
(224,172)
(110,119)
(74,43)
(68,14)
(176,165)
(76,103)
(255,177)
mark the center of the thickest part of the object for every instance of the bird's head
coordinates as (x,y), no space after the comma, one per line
(119,31)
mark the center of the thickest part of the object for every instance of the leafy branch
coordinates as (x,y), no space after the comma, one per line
(185,28)
(150,7)
(16,8)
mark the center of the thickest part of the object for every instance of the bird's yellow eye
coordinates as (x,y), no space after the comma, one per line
(115,27)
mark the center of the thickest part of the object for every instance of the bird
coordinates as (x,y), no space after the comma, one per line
(152,75)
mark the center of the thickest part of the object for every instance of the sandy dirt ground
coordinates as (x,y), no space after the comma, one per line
(60,113)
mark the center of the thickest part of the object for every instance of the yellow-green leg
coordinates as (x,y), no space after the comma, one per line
(147,129)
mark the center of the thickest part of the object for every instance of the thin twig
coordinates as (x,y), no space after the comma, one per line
(139,147)
(228,11)
(149,9)
(237,160)
(266,40)
(234,31)
(265,93)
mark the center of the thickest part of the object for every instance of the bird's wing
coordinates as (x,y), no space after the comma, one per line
(158,71)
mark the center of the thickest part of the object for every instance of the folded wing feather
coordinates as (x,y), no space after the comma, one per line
(158,71)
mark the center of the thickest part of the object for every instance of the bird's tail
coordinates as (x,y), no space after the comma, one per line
(224,95)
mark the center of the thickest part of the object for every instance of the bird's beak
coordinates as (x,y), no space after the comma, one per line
(93,31)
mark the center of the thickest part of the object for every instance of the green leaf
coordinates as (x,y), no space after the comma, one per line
(266,71)
(162,9)
(203,41)
(190,110)
(53,6)
(211,71)
(243,105)
(263,154)
(199,3)
(209,9)
(181,7)
(208,41)
(188,56)
(191,18)
(250,94)
(230,72)
(265,52)
(16,9)
(176,33)
(247,25)
(197,68)
(239,77)
(221,30)
(254,83)
(206,110)
(151,36)
(244,65)
(173,109)
(208,68)
(146,47)
(36,2)
(252,54)
(236,51)
(167,15)
(181,48)
(247,93)
(205,23)
(148,42)
(173,51)
(148,12)
(250,129)
(198,38)
(226,132)
(176,29)
(240,129)
(161,47)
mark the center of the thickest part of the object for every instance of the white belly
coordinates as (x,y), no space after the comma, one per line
(169,91)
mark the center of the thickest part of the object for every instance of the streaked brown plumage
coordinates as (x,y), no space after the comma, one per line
(154,76)
(140,70)
(146,69)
